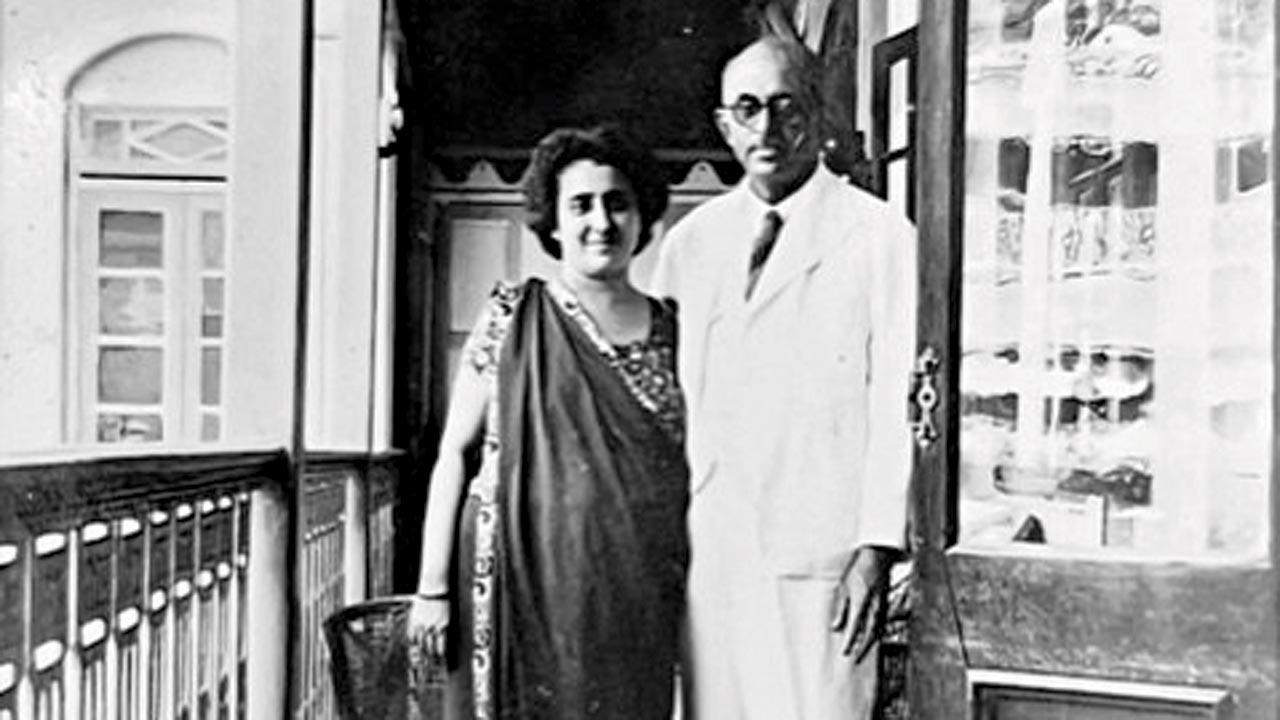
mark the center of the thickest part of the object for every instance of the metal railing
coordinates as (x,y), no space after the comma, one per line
(124,583)
(323,584)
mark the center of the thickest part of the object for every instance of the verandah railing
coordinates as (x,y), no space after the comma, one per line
(346,555)
(125,584)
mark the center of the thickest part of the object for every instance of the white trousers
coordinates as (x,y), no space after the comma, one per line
(759,646)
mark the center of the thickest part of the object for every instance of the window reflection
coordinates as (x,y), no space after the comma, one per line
(130,375)
(131,239)
(131,306)
(130,427)
(1116,367)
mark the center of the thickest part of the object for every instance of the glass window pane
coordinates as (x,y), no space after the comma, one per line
(211,326)
(130,375)
(1116,368)
(130,427)
(212,310)
(210,427)
(131,306)
(210,376)
(1253,165)
(211,238)
(130,239)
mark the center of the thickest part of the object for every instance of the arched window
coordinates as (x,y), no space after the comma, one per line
(148,163)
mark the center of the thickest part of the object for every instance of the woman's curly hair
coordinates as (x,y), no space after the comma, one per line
(607,145)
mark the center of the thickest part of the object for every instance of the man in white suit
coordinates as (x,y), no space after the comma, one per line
(795,352)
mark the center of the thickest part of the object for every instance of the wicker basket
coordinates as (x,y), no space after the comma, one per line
(376,674)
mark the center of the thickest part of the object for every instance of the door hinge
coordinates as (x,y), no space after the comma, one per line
(925,397)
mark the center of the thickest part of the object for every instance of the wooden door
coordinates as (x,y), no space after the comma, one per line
(480,237)
(1095,507)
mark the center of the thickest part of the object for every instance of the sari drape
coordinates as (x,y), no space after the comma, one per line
(591,544)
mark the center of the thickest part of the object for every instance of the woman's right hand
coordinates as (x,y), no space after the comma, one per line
(429,625)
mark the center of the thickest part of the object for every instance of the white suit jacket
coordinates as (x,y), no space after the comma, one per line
(798,396)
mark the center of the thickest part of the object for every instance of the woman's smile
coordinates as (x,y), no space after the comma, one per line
(602,244)
(597,221)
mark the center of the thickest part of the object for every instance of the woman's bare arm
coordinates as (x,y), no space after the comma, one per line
(464,426)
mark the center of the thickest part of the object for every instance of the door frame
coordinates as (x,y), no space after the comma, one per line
(942,674)
(936,670)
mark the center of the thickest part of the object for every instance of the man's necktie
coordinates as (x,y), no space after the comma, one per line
(763,246)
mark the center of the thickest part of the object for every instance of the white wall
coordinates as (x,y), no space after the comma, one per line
(157,52)
(344,224)
(263,208)
(178,70)
(44,44)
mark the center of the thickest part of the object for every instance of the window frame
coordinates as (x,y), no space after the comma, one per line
(181,192)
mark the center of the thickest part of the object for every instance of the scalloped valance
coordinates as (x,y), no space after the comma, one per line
(503,170)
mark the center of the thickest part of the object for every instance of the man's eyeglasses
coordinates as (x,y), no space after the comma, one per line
(748,111)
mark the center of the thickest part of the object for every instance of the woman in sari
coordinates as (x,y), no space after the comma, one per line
(570,551)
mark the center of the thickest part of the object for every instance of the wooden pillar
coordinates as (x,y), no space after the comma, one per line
(265,223)
(267,614)
(416,310)
(168,691)
(143,667)
(232,660)
(26,691)
(355,535)
(72,665)
(936,669)
(111,676)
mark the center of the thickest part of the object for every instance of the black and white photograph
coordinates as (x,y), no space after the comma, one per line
(639,360)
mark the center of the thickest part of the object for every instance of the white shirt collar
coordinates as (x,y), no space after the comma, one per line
(787,205)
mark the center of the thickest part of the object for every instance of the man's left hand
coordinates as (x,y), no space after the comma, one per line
(860,601)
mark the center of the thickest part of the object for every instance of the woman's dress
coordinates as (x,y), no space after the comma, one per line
(572,549)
